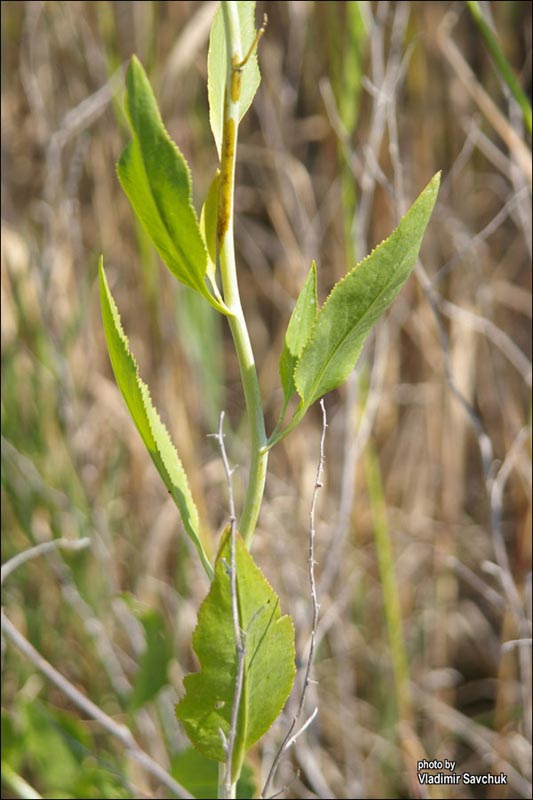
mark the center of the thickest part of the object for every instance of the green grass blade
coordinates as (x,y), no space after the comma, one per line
(502,65)
(269,670)
(153,432)
(358,301)
(391,595)
(157,181)
(217,68)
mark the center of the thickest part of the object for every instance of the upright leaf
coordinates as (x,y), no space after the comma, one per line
(157,181)
(153,433)
(357,302)
(205,710)
(217,68)
(300,324)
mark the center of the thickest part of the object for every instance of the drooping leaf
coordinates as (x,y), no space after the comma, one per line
(153,432)
(217,68)
(357,302)
(208,227)
(152,672)
(199,775)
(157,181)
(205,710)
(300,324)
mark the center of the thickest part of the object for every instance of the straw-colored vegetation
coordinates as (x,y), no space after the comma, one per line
(423,524)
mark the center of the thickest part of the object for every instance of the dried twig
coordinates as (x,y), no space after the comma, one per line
(517,147)
(493,486)
(229,743)
(94,627)
(219,436)
(120,732)
(480,738)
(289,738)
(33,552)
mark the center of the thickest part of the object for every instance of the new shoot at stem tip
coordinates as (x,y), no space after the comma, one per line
(238,65)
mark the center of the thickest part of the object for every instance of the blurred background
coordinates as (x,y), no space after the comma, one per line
(423,524)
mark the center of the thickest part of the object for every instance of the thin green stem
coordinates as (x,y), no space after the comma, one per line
(277,435)
(502,65)
(228,271)
(389,584)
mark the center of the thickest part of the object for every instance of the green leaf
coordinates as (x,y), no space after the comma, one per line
(208,227)
(199,775)
(152,673)
(52,747)
(58,750)
(157,181)
(300,324)
(217,68)
(357,302)
(205,710)
(153,433)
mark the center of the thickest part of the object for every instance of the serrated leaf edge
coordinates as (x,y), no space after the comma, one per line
(253,59)
(435,182)
(146,396)
(286,618)
(201,287)
(288,398)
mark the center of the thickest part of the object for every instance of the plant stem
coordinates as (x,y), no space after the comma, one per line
(502,65)
(226,250)
(391,599)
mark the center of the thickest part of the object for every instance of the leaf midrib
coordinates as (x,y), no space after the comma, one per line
(175,245)
(343,339)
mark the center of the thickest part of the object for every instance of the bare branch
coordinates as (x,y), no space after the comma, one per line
(516,145)
(304,727)
(494,489)
(498,337)
(120,732)
(33,552)
(289,738)
(219,436)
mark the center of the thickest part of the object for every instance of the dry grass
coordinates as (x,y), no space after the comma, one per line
(441,394)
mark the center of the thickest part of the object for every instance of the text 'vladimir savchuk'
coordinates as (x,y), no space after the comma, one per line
(453,778)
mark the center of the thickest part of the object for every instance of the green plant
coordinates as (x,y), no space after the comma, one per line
(244,645)
(503,67)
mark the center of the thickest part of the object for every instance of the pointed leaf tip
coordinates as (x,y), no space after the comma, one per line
(357,301)
(157,182)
